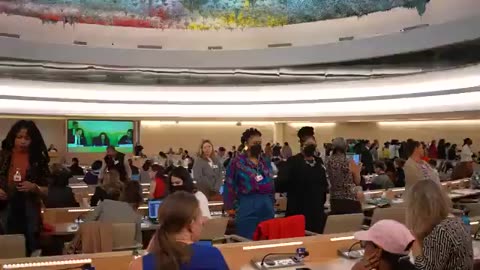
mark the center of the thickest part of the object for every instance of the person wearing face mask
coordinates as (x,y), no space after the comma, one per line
(180,180)
(304,180)
(249,185)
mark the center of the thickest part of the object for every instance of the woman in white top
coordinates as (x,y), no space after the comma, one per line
(467,154)
(180,179)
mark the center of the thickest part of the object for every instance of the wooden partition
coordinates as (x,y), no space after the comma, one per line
(102,261)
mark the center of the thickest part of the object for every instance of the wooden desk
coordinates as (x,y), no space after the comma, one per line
(69,215)
(101,261)
(322,249)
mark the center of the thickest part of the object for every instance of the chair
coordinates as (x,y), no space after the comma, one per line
(13,246)
(279,228)
(281,204)
(343,223)
(395,213)
(123,236)
(214,228)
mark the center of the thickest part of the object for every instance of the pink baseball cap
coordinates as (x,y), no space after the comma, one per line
(390,235)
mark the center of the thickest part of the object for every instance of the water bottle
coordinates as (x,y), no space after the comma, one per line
(466,221)
(17,177)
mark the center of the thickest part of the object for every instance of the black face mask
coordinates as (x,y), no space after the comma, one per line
(309,150)
(178,188)
(255,150)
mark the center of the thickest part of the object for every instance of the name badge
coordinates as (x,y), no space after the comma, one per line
(259,178)
(116,162)
(214,166)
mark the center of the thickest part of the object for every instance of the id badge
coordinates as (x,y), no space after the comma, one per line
(116,162)
(214,166)
(259,177)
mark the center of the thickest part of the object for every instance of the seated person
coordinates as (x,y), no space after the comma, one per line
(60,195)
(91,178)
(387,244)
(121,207)
(111,183)
(433,164)
(382,180)
(101,140)
(180,180)
(127,138)
(174,244)
(75,168)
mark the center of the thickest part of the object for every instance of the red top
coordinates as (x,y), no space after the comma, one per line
(160,188)
(279,228)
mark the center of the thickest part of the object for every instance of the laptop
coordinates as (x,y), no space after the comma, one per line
(153,206)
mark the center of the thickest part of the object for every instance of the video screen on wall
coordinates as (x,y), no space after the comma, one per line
(93,136)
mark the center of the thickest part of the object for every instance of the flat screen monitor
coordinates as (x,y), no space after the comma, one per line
(153,206)
(93,136)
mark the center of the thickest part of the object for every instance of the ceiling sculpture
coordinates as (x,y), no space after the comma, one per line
(199,14)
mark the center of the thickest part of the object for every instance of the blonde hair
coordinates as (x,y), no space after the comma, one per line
(200,151)
(112,184)
(427,206)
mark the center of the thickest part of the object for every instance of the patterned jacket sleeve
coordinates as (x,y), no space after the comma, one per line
(230,188)
(435,255)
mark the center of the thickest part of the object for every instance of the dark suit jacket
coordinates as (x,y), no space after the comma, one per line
(60,197)
(97,141)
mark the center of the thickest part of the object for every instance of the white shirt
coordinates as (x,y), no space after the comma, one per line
(466,154)
(203,202)
(394,151)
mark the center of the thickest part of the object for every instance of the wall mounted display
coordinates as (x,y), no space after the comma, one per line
(200,14)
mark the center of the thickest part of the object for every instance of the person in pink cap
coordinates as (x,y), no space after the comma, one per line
(387,245)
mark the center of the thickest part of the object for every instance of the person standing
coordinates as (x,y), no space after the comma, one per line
(344,176)
(115,160)
(304,179)
(467,154)
(249,185)
(23,180)
(286,151)
(416,169)
(208,170)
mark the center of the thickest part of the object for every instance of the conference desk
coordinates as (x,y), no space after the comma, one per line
(69,215)
(322,249)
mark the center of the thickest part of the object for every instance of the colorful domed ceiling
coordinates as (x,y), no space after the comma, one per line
(199,14)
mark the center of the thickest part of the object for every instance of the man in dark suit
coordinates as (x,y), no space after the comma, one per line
(127,139)
(71,132)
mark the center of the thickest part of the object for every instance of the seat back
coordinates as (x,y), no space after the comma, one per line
(395,213)
(13,246)
(279,228)
(281,204)
(214,228)
(343,223)
(123,235)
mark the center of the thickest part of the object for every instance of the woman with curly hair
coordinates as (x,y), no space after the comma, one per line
(23,180)
(249,185)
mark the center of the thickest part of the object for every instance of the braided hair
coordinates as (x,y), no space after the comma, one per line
(304,133)
(247,135)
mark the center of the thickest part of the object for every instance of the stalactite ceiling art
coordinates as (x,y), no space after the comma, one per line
(199,14)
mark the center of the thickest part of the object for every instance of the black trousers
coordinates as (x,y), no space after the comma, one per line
(343,206)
